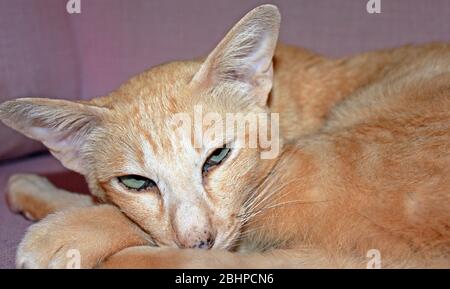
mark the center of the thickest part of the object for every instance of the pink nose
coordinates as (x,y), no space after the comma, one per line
(199,241)
(192,226)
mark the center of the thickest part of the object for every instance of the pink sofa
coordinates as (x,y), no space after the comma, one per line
(44,51)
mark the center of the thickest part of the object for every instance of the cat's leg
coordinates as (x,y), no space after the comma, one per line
(150,257)
(302,257)
(146,257)
(78,237)
(35,197)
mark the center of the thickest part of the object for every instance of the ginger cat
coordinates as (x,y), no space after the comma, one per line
(364,162)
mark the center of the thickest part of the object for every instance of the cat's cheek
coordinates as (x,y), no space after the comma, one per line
(146,209)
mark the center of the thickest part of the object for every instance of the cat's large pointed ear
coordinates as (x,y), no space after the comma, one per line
(244,56)
(63,126)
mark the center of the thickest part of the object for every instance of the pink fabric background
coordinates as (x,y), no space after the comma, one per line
(46,52)
(37,58)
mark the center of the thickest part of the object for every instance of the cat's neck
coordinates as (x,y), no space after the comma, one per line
(287,184)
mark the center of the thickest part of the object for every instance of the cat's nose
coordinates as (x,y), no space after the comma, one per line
(204,244)
(205,241)
(192,226)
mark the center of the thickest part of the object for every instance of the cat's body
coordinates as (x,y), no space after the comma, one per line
(364,165)
(377,165)
(370,164)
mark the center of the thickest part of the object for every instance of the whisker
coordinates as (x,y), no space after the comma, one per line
(303,202)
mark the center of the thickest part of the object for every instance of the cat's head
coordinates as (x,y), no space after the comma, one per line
(144,148)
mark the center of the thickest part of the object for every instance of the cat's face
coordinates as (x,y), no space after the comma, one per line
(182,187)
(148,148)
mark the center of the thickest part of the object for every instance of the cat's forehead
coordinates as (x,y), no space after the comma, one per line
(156,113)
(146,111)
(158,92)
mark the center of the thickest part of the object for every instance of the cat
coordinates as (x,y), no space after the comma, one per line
(363,167)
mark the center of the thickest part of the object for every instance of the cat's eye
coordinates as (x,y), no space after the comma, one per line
(135,182)
(216,158)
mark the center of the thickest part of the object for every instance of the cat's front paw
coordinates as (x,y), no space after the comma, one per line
(25,195)
(52,243)
(78,238)
(48,244)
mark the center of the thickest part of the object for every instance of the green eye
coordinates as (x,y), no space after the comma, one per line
(135,182)
(217,157)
